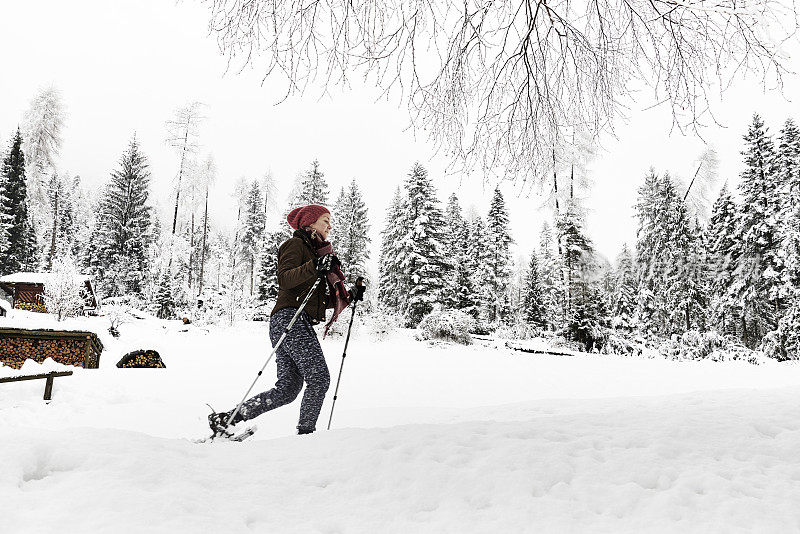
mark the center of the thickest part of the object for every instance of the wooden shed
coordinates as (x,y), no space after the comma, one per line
(78,348)
(26,291)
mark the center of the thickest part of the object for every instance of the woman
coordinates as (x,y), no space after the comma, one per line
(303,258)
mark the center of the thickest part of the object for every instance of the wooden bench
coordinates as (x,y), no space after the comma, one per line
(48,386)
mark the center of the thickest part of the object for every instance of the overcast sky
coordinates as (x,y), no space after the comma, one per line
(124,66)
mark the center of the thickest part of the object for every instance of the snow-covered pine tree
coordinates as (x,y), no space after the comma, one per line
(268,268)
(393,283)
(338,226)
(60,233)
(22,245)
(164,301)
(422,247)
(688,283)
(724,251)
(124,224)
(252,232)
(533,299)
(785,339)
(623,307)
(760,267)
(788,176)
(606,284)
(499,257)
(477,295)
(576,255)
(457,228)
(313,187)
(6,218)
(550,278)
(650,243)
(350,233)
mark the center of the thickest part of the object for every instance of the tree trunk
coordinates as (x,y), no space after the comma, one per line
(191,252)
(203,249)
(53,237)
(180,175)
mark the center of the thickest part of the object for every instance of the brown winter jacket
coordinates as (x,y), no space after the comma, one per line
(296,274)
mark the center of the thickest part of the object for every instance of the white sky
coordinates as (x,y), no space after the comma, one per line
(124,66)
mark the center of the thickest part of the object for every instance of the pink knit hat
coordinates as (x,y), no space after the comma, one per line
(305,216)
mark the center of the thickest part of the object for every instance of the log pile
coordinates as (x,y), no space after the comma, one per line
(38,307)
(142,358)
(81,349)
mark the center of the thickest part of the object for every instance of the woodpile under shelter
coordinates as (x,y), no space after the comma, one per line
(78,348)
(26,291)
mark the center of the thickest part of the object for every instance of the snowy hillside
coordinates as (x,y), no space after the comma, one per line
(425,439)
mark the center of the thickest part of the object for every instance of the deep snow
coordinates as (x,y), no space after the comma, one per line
(439,438)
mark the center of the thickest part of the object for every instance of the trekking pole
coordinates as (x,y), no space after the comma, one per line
(358,294)
(274,350)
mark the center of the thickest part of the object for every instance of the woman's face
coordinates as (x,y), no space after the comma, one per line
(323,225)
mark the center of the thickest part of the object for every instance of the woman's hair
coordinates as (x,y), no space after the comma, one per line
(311,231)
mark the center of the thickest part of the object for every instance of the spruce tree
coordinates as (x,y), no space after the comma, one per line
(550,278)
(268,269)
(313,187)
(164,301)
(252,231)
(533,300)
(422,247)
(723,256)
(499,258)
(760,267)
(650,250)
(690,280)
(788,176)
(623,301)
(22,253)
(576,255)
(393,282)
(476,299)
(350,233)
(125,225)
(456,296)
(6,218)
(60,233)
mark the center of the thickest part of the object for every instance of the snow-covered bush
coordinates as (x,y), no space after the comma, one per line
(225,307)
(381,324)
(517,330)
(62,289)
(450,325)
(117,315)
(695,345)
(784,343)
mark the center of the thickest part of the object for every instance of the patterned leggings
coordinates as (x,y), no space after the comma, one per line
(299,358)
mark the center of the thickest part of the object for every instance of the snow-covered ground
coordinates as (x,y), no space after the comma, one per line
(440,438)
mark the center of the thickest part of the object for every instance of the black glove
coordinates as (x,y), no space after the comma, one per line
(326,263)
(357,291)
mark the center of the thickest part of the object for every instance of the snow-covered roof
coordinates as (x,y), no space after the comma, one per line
(36,278)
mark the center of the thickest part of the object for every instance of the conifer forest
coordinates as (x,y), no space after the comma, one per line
(725,276)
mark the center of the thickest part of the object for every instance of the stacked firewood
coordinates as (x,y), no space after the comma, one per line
(142,358)
(15,350)
(31,306)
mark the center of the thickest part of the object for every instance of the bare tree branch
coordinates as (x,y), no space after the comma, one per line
(499,85)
